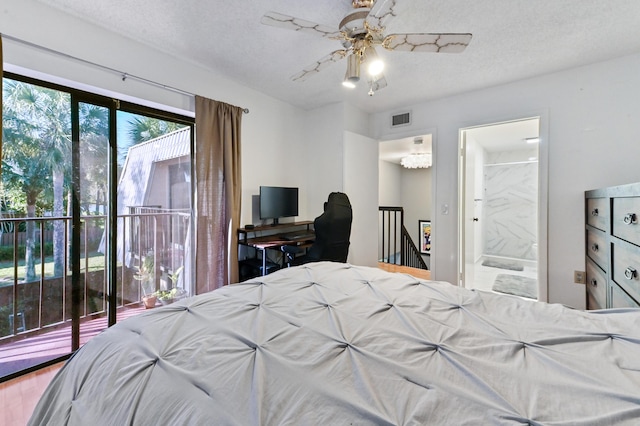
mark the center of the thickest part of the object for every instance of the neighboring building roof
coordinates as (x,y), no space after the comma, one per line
(136,172)
(136,176)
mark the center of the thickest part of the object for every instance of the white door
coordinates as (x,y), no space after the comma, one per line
(470,235)
(361,186)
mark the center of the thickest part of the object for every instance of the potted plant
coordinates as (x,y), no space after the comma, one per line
(146,276)
(169,296)
(149,301)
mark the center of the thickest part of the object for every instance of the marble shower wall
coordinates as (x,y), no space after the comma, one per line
(510,204)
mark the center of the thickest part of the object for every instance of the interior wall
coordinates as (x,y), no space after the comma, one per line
(590,132)
(356,121)
(320,153)
(389,180)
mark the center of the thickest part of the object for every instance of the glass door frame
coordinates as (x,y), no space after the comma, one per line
(113,105)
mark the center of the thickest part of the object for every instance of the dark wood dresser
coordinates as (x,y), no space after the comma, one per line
(612,218)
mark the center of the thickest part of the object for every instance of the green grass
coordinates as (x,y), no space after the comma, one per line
(95,263)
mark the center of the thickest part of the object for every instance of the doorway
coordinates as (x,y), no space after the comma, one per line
(408,187)
(499,215)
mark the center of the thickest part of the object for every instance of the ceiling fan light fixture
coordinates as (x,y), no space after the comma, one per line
(375,66)
(348,83)
(353,69)
(362,3)
(359,31)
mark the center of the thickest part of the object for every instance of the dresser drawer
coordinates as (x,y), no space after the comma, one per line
(626,268)
(626,219)
(596,287)
(597,248)
(620,299)
(598,213)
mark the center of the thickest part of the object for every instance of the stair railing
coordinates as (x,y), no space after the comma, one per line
(396,245)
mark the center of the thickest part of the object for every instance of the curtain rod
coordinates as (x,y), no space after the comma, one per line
(123,74)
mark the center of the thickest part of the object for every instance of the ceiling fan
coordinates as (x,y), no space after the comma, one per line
(359,32)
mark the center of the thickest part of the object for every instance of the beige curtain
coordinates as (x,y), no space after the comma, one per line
(218,185)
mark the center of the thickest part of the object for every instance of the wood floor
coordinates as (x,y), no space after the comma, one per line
(418,273)
(18,397)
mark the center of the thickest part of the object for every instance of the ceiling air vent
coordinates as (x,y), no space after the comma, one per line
(403,119)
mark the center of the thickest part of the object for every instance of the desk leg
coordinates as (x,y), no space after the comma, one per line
(264,262)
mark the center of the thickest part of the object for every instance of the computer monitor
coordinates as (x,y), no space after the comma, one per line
(277,202)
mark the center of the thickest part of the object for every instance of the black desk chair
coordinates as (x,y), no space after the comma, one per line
(332,229)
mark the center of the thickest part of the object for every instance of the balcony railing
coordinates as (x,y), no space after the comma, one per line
(32,301)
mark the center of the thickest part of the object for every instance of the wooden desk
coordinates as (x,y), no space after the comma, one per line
(274,238)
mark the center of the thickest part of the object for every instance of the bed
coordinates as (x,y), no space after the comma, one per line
(336,344)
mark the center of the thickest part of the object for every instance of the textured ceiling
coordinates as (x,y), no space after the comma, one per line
(512,40)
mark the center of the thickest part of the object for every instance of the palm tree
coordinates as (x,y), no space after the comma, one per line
(36,127)
(37,155)
(143,129)
(94,148)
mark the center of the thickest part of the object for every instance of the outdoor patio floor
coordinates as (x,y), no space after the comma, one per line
(43,347)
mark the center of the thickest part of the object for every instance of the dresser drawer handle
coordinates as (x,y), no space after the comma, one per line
(630,273)
(594,212)
(594,282)
(594,247)
(629,218)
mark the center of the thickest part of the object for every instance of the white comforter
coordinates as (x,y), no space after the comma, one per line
(334,344)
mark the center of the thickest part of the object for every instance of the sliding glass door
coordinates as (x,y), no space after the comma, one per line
(95,215)
(154,209)
(88,207)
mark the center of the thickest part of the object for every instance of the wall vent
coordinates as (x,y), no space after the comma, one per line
(403,119)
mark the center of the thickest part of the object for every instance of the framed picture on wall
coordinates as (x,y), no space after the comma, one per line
(425,236)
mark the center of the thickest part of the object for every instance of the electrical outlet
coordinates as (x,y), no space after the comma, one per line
(579,277)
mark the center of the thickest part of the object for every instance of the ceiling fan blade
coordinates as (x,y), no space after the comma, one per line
(289,22)
(381,12)
(422,42)
(319,65)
